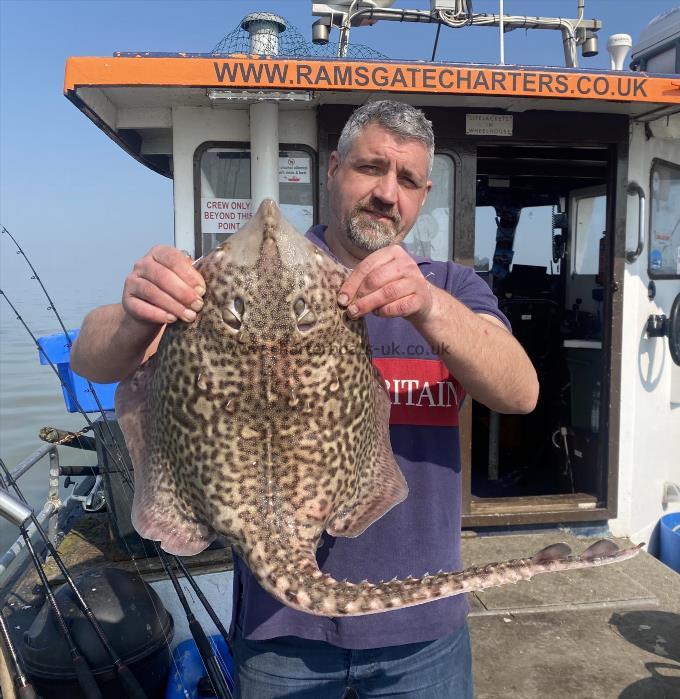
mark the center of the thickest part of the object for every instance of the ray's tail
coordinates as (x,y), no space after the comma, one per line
(304,587)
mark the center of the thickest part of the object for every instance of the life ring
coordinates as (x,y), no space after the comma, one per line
(674,330)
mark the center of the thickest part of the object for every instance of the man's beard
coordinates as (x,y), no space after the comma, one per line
(369,234)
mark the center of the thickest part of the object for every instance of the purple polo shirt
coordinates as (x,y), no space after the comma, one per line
(420,535)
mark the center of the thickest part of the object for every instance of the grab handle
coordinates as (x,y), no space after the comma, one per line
(634,188)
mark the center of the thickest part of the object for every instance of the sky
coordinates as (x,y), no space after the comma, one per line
(82,208)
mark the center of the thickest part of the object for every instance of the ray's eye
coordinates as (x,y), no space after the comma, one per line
(299,307)
(233,314)
(304,315)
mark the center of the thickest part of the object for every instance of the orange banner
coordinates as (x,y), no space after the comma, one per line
(275,74)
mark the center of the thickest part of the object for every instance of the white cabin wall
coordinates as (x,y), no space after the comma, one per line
(299,126)
(193,126)
(649,438)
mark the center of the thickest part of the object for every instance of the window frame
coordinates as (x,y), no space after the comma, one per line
(245,146)
(572,242)
(652,274)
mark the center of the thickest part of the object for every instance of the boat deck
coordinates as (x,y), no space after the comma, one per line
(604,633)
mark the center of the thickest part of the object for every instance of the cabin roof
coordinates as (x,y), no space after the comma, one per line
(131,96)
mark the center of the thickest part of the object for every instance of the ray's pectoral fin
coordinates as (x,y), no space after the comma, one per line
(157,513)
(381,483)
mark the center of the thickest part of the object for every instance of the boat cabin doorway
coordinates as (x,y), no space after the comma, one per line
(540,244)
(548,238)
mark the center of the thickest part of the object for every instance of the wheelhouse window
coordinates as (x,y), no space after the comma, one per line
(224,192)
(529,245)
(664,220)
(431,234)
(591,214)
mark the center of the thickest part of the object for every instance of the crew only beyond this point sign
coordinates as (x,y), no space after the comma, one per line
(226,215)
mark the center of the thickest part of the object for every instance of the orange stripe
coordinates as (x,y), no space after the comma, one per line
(255,73)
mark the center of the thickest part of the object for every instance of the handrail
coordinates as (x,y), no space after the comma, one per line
(19,546)
(32,460)
(634,188)
(52,505)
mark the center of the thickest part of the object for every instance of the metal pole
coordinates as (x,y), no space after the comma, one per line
(264,29)
(502,30)
(343,41)
(569,44)
(53,495)
(264,153)
(19,546)
(31,460)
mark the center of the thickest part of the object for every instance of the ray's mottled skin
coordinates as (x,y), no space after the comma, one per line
(266,422)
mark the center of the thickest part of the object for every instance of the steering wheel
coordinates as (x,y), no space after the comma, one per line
(674,330)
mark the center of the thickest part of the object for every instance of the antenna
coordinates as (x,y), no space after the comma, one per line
(344,14)
(502,31)
(618,46)
(457,14)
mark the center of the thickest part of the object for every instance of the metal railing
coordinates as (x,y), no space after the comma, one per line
(17,552)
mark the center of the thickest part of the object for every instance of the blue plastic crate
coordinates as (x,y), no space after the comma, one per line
(58,351)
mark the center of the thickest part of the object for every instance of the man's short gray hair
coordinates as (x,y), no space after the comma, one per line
(403,120)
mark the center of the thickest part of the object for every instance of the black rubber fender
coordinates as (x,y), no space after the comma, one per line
(674,330)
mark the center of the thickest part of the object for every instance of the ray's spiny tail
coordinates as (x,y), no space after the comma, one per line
(310,590)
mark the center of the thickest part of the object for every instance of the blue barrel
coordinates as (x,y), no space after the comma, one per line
(187,668)
(669,540)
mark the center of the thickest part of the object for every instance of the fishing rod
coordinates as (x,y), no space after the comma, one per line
(26,690)
(18,513)
(212,666)
(120,459)
(203,600)
(52,307)
(128,680)
(37,278)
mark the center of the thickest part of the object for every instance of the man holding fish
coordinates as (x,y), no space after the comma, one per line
(378,180)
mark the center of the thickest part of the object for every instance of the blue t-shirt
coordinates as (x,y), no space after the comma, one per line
(421,534)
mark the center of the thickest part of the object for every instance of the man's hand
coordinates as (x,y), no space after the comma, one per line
(114,340)
(476,348)
(389,283)
(162,287)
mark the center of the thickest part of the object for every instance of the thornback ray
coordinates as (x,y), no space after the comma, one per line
(266,422)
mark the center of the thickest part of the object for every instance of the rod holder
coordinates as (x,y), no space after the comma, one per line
(13,510)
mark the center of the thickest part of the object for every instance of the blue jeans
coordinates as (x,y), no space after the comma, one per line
(299,669)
